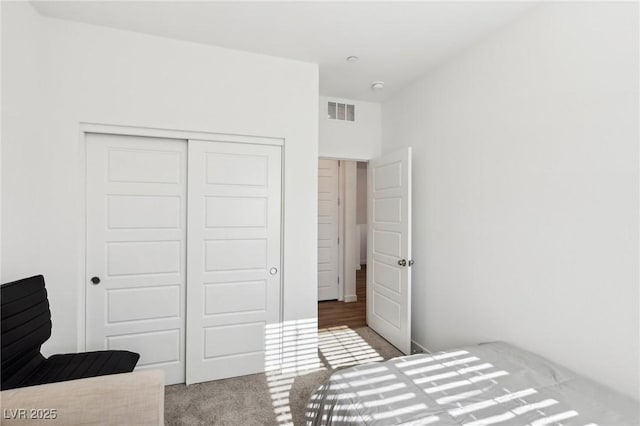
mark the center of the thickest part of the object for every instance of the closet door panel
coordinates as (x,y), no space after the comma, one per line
(136,246)
(233,296)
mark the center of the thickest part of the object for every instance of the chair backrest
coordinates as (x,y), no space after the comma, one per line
(25,324)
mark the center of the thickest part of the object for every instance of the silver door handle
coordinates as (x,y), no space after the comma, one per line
(411,263)
(273,270)
(402,262)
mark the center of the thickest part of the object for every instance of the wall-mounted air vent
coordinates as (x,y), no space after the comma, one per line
(338,111)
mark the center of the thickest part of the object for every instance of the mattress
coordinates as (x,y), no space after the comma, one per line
(487,384)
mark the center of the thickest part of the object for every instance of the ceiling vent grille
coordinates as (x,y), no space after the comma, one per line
(344,112)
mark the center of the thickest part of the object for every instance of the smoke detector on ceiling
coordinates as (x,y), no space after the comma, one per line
(377,85)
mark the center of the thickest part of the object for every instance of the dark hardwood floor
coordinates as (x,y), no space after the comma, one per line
(333,313)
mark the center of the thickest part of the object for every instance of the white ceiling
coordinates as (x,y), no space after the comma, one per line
(396,42)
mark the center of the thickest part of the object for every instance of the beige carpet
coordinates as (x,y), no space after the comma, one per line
(273,399)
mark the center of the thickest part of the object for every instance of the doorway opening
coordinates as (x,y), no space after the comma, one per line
(342,243)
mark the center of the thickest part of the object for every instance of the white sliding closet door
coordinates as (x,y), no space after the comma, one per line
(233,296)
(136,248)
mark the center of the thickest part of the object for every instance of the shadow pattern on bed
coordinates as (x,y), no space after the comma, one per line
(488,384)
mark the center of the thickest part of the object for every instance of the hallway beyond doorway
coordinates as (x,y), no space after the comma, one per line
(334,313)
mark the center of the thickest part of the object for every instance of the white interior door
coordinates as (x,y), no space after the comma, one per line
(233,297)
(136,213)
(389,248)
(328,229)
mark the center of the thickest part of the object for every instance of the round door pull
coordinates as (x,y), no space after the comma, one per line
(402,262)
(273,271)
(95,280)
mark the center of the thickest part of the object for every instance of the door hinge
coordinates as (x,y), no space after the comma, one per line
(338,201)
(338,279)
(338,240)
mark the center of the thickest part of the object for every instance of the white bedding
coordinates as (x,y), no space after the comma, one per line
(488,384)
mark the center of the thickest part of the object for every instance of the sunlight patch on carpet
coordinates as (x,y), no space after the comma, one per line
(293,349)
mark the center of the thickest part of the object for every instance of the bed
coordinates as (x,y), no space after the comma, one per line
(492,383)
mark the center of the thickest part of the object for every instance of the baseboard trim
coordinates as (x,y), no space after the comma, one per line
(350,298)
(425,350)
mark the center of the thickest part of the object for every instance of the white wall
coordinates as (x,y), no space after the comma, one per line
(0,143)
(65,73)
(526,190)
(21,89)
(347,140)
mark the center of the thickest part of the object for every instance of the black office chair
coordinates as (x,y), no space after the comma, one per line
(26,325)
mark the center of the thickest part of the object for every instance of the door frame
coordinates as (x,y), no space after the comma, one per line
(86,128)
(340,229)
(341,224)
